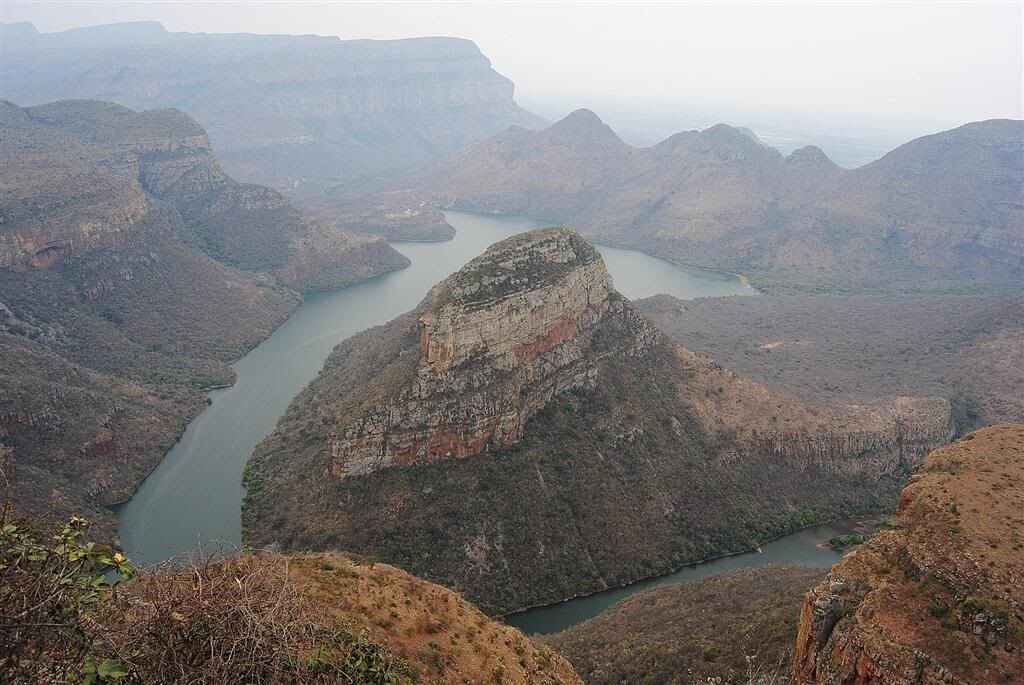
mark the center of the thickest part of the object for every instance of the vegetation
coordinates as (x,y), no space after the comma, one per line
(241,620)
(841,542)
(734,627)
(856,349)
(248,618)
(609,485)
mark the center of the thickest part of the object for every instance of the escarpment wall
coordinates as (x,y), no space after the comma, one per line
(894,441)
(503,337)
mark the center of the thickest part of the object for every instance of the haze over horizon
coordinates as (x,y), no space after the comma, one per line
(927,64)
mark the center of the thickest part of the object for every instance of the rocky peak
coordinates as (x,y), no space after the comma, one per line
(731,144)
(810,156)
(496,342)
(521,297)
(583,127)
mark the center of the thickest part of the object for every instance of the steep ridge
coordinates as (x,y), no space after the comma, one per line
(113,314)
(939,599)
(525,435)
(294,112)
(942,212)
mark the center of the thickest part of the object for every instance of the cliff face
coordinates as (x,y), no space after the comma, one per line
(294,112)
(121,161)
(504,336)
(526,435)
(944,209)
(939,598)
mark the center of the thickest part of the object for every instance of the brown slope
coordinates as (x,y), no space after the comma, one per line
(941,212)
(526,435)
(254,618)
(938,599)
(967,349)
(736,626)
(168,156)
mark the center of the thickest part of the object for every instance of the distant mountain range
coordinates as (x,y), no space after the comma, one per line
(941,212)
(294,112)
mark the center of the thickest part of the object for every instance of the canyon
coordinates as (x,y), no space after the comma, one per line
(302,114)
(133,270)
(940,213)
(512,436)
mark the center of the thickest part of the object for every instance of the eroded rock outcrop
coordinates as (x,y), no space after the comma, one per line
(501,338)
(938,599)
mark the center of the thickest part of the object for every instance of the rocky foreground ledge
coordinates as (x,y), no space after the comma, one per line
(939,599)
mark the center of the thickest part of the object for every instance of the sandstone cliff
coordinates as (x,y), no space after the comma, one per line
(941,211)
(526,435)
(294,112)
(111,319)
(938,599)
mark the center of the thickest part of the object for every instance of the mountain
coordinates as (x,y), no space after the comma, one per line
(943,212)
(116,153)
(939,599)
(132,272)
(294,112)
(737,627)
(526,435)
(854,349)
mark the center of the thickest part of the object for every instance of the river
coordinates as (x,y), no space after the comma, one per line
(806,547)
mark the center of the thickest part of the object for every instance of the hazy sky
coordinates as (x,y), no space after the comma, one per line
(924,61)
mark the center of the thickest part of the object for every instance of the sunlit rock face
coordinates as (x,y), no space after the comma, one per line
(939,598)
(500,339)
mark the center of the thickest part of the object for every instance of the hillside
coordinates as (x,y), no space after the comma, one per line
(967,349)
(526,435)
(252,618)
(132,272)
(943,212)
(737,626)
(939,599)
(298,113)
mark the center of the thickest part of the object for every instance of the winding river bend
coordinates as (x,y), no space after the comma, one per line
(193,498)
